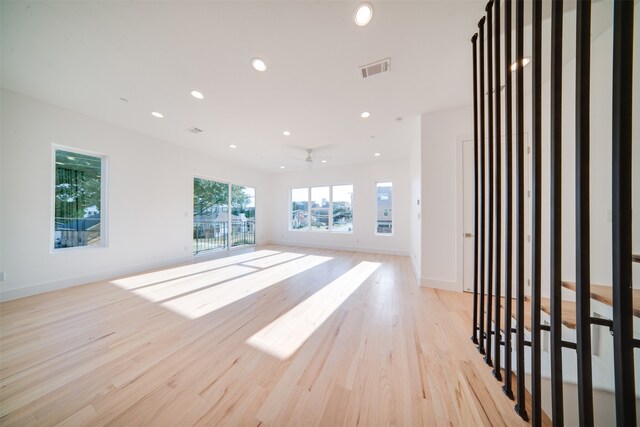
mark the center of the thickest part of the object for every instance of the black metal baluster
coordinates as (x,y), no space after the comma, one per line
(474,335)
(482,192)
(583,250)
(498,170)
(557,405)
(623,345)
(520,372)
(536,347)
(487,356)
(508,200)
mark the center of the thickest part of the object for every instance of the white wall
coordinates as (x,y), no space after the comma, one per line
(442,133)
(364,178)
(150,186)
(415,211)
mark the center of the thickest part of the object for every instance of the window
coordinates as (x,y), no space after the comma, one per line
(384,202)
(342,208)
(79,200)
(319,208)
(299,208)
(218,219)
(243,215)
(322,209)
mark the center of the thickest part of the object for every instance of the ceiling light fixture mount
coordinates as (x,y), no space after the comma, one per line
(233,146)
(157,115)
(286,133)
(364,14)
(258,64)
(377,154)
(281,167)
(365,115)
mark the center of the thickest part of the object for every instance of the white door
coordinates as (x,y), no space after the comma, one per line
(468,194)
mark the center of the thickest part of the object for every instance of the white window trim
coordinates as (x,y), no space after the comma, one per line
(229,247)
(330,212)
(104,207)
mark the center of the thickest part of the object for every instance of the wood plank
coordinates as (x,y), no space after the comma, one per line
(568,311)
(603,293)
(393,353)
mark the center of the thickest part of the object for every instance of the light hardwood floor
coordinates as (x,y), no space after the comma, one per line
(171,348)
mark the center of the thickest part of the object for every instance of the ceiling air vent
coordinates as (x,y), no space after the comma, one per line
(194,130)
(374,68)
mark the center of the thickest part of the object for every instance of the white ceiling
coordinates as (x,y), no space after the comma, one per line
(85,56)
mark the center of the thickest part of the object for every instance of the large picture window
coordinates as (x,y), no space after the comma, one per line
(223,215)
(328,209)
(384,208)
(78,205)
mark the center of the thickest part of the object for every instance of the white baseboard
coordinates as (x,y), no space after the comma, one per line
(340,247)
(440,284)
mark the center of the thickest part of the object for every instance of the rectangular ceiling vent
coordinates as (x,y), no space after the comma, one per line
(377,67)
(194,130)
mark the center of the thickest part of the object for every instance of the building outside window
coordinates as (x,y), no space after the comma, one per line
(384,208)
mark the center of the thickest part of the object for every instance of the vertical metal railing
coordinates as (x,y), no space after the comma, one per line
(582,218)
(536,214)
(482,237)
(508,235)
(623,342)
(497,365)
(488,207)
(520,196)
(210,235)
(487,356)
(474,335)
(557,406)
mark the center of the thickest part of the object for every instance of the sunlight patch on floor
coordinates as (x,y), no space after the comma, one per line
(139,280)
(203,302)
(285,335)
(183,285)
(270,261)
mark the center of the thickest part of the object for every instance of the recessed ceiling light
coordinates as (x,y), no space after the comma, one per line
(258,64)
(281,167)
(233,146)
(197,95)
(363,14)
(286,133)
(365,114)
(525,61)
(324,161)
(376,154)
(156,114)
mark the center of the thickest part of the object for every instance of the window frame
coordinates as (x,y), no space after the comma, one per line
(104,206)
(330,210)
(229,184)
(376,199)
